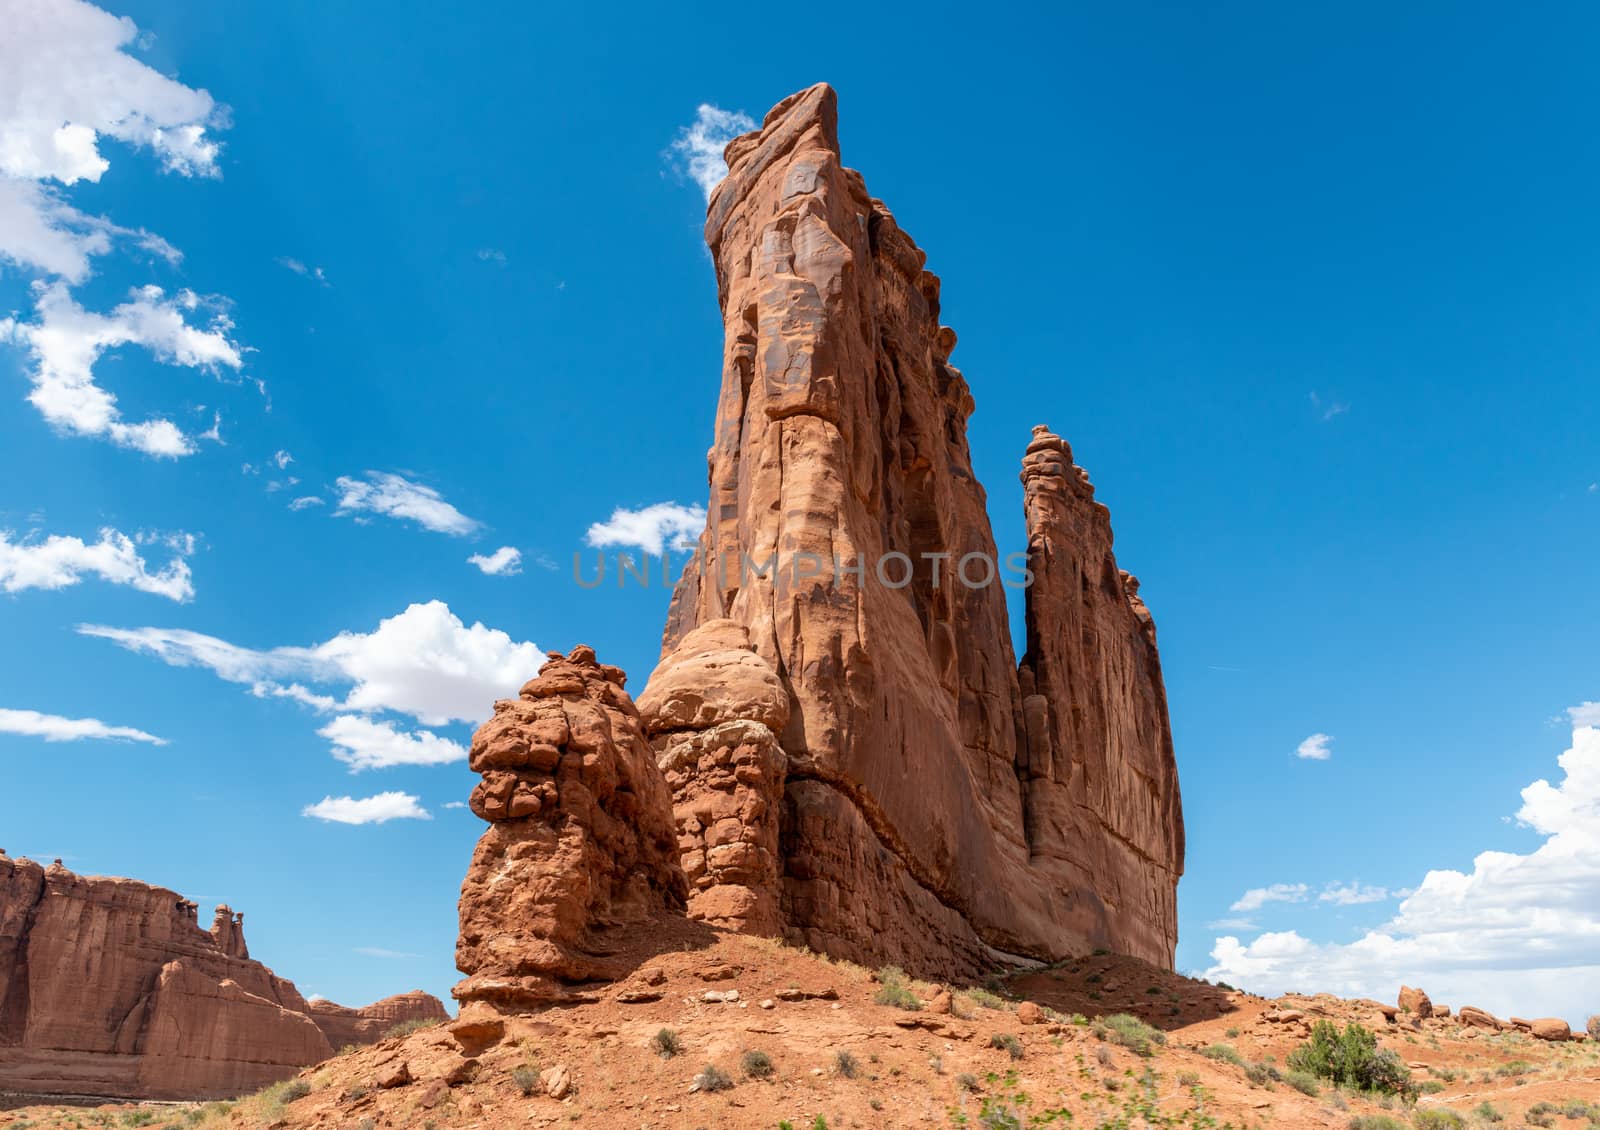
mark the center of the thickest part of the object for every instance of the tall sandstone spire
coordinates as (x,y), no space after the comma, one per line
(936,804)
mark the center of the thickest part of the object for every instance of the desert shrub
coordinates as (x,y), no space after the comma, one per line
(1223,1053)
(1438,1120)
(757,1065)
(406,1027)
(1594,1027)
(713,1078)
(1487,1112)
(1542,1114)
(984,998)
(526,1079)
(1007,1041)
(666,1043)
(1375,1122)
(1187,1078)
(967,1081)
(293,1089)
(138,1118)
(1260,1074)
(1232,1033)
(894,991)
(1304,1082)
(1351,1058)
(1131,1032)
(1106,1057)
(846,1064)
(1577,1108)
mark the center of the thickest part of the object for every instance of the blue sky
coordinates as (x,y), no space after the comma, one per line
(1313,295)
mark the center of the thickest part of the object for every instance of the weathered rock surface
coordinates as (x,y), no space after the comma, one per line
(1416,1002)
(343,1025)
(942,807)
(110,987)
(580,839)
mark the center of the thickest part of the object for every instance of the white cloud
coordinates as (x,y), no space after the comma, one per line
(282,459)
(423,662)
(1231,924)
(399,497)
(655,528)
(697,151)
(383,954)
(1258,897)
(503,562)
(58,562)
(1584,714)
(66,82)
(1352,894)
(1517,934)
(321,703)
(304,271)
(65,341)
(364,744)
(377,809)
(305,502)
(455,804)
(54,728)
(1329,409)
(492,255)
(1315,748)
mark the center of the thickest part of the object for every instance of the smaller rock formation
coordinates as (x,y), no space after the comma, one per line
(1477,1018)
(580,839)
(1416,1002)
(713,711)
(343,1026)
(1550,1028)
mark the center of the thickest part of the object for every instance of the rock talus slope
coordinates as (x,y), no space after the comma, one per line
(111,987)
(939,806)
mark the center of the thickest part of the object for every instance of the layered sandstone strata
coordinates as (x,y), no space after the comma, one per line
(942,807)
(580,840)
(111,987)
(343,1025)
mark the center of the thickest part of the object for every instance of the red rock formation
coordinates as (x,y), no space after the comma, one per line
(580,839)
(110,987)
(941,808)
(343,1026)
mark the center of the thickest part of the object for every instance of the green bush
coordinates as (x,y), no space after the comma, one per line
(406,1027)
(757,1065)
(1260,1074)
(1304,1082)
(894,991)
(666,1043)
(294,1089)
(1438,1120)
(1131,1032)
(1542,1114)
(1226,1053)
(1352,1058)
(1487,1112)
(1375,1122)
(1007,1041)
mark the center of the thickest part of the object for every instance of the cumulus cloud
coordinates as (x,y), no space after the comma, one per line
(1315,748)
(67,83)
(362,743)
(1516,934)
(423,662)
(1258,897)
(697,151)
(54,728)
(398,497)
(65,341)
(654,529)
(57,562)
(377,809)
(503,562)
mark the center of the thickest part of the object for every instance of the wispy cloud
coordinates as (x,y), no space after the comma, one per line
(1353,894)
(503,562)
(383,954)
(655,528)
(315,274)
(697,151)
(379,809)
(58,562)
(1329,408)
(305,502)
(1258,897)
(491,255)
(1318,747)
(398,497)
(55,728)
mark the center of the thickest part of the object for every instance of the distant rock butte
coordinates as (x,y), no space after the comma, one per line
(110,987)
(851,760)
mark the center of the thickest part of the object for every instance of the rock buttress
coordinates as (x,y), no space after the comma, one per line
(840,447)
(580,839)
